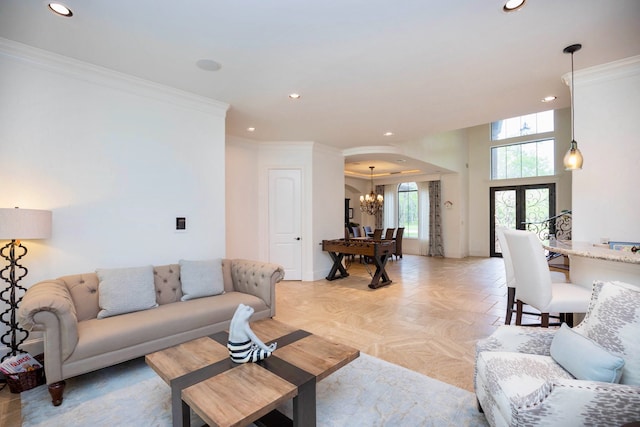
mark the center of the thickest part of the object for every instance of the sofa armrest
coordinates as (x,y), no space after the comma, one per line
(48,307)
(258,279)
(519,339)
(561,401)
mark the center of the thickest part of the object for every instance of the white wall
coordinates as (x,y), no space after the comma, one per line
(241,204)
(606,199)
(480,172)
(115,158)
(327,214)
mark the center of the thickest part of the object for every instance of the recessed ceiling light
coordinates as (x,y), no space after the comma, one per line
(513,5)
(60,9)
(294,95)
(549,98)
(251,129)
(208,65)
(388,134)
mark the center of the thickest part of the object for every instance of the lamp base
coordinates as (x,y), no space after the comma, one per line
(12,295)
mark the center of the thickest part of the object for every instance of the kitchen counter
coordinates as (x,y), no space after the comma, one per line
(589,262)
(589,250)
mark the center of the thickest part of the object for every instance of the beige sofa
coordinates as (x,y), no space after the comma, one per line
(76,341)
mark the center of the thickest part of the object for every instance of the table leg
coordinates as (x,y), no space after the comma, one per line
(337,266)
(380,262)
(180,411)
(304,405)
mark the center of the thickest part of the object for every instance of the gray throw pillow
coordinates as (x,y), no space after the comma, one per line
(124,290)
(201,278)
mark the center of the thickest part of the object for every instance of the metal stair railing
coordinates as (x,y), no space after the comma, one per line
(554,227)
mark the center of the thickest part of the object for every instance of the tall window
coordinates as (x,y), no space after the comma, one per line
(408,208)
(523,160)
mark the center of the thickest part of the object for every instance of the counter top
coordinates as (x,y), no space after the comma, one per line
(589,250)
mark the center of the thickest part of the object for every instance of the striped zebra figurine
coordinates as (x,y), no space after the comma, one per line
(244,345)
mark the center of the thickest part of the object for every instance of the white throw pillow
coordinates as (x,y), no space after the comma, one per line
(201,278)
(124,290)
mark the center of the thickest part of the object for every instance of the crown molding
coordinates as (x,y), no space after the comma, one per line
(94,74)
(372,149)
(605,72)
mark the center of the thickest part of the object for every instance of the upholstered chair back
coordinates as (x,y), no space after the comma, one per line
(506,257)
(613,321)
(530,268)
(389,233)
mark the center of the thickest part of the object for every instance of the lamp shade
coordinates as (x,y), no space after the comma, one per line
(24,224)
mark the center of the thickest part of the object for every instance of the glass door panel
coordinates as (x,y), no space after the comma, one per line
(513,206)
(504,213)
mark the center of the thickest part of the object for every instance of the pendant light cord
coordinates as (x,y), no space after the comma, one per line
(573,118)
(572,49)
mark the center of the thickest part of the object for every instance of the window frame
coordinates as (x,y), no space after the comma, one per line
(520,143)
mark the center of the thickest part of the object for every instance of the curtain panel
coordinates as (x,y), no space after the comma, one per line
(390,207)
(423,220)
(435,220)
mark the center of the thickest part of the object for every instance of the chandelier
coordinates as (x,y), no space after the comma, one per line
(371,203)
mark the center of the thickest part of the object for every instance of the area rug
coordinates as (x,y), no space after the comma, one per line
(367,392)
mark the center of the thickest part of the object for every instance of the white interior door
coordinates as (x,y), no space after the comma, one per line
(285,246)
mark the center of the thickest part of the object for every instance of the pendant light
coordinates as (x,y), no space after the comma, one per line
(573,159)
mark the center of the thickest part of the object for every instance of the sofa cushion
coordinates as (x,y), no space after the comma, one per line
(613,321)
(166,279)
(123,290)
(99,336)
(201,278)
(583,358)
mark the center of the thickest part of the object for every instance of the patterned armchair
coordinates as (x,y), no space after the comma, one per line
(588,375)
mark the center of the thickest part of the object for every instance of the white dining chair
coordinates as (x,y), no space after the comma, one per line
(510,277)
(534,286)
(556,276)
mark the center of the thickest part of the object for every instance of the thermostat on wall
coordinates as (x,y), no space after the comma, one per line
(181,223)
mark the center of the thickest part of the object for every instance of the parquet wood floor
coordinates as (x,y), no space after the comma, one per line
(428,320)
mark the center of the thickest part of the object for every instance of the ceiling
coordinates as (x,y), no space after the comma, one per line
(363,68)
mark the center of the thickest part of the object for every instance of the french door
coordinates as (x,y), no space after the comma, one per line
(513,206)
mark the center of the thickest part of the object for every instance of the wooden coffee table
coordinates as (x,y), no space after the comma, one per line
(203,377)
